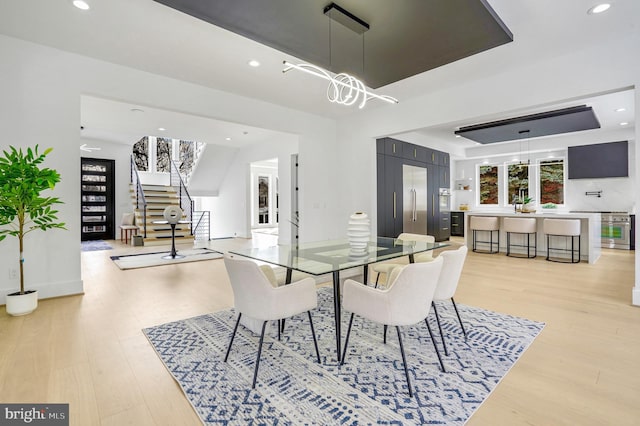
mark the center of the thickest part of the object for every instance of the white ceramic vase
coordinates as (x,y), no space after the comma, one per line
(22,304)
(359,232)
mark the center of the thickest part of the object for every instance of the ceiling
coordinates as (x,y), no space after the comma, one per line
(121,122)
(166,39)
(558,121)
(605,107)
(381,42)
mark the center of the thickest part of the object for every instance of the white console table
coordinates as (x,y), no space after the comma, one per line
(590,227)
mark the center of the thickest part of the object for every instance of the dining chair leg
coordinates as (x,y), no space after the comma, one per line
(404,361)
(233,335)
(255,372)
(459,319)
(444,344)
(313,333)
(433,341)
(385,334)
(377,278)
(346,342)
(279,330)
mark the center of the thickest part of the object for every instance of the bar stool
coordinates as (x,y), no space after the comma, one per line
(521,225)
(489,224)
(568,228)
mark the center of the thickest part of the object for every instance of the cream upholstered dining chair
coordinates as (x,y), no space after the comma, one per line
(255,296)
(127,228)
(406,302)
(387,267)
(448,283)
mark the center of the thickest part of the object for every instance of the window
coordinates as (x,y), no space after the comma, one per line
(552,181)
(163,155)
(517,181)
(488,179)
(141,154)
(263,199)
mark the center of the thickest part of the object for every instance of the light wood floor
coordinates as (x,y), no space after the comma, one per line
(89,351)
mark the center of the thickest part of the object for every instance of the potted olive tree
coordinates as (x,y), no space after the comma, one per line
(23,209)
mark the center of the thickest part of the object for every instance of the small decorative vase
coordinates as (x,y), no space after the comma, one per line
(359,231)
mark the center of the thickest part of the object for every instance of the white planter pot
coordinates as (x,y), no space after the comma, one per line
(359,231)
(22,304)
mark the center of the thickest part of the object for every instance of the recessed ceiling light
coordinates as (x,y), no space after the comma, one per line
(485,162)
(227,139)
(162,129)
(458,136)
(81,4)
(620,109)
(254,63)
(624,123)
(599,8)
(136,110)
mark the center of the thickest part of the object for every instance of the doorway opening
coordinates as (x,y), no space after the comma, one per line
(265,197)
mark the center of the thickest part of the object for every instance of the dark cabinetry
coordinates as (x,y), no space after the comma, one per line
(457,224)
(390,197)
(96,199)
(392,154)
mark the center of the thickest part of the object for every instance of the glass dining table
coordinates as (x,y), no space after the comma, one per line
(334,256)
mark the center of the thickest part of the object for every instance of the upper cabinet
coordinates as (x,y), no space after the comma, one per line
(414,152)
(391,147)
(409,151)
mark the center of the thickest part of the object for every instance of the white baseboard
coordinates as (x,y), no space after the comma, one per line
(635,296)
(47,290)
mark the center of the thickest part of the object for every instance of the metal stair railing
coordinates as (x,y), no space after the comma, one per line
(202,227)
(186,203)
(141,201)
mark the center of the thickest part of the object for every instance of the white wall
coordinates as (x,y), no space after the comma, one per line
(41,89)
(231,210)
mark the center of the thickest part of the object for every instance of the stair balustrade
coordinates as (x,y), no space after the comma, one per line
(141,202)
(186,203)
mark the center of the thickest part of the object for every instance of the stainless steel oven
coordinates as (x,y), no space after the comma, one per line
(616,230)
(444,200)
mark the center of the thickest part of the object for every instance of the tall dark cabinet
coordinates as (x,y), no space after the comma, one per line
(97,219)
(392,154)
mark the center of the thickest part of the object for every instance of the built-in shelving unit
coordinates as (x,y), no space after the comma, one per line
(96,199)
(463,185)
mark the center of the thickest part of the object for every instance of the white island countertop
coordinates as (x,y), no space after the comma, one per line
(538,213)
(590,230)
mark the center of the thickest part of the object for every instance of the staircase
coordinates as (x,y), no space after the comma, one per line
(158,197)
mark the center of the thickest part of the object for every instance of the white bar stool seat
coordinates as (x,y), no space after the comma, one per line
(525,226)
(568,228)
(489,224)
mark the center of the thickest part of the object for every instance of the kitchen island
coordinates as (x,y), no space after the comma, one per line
(590,229)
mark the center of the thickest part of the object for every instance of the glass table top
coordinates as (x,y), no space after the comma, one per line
(324,257)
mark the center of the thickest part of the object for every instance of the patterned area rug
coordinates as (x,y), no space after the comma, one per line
(145,260)
(370,388)
(94,245)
